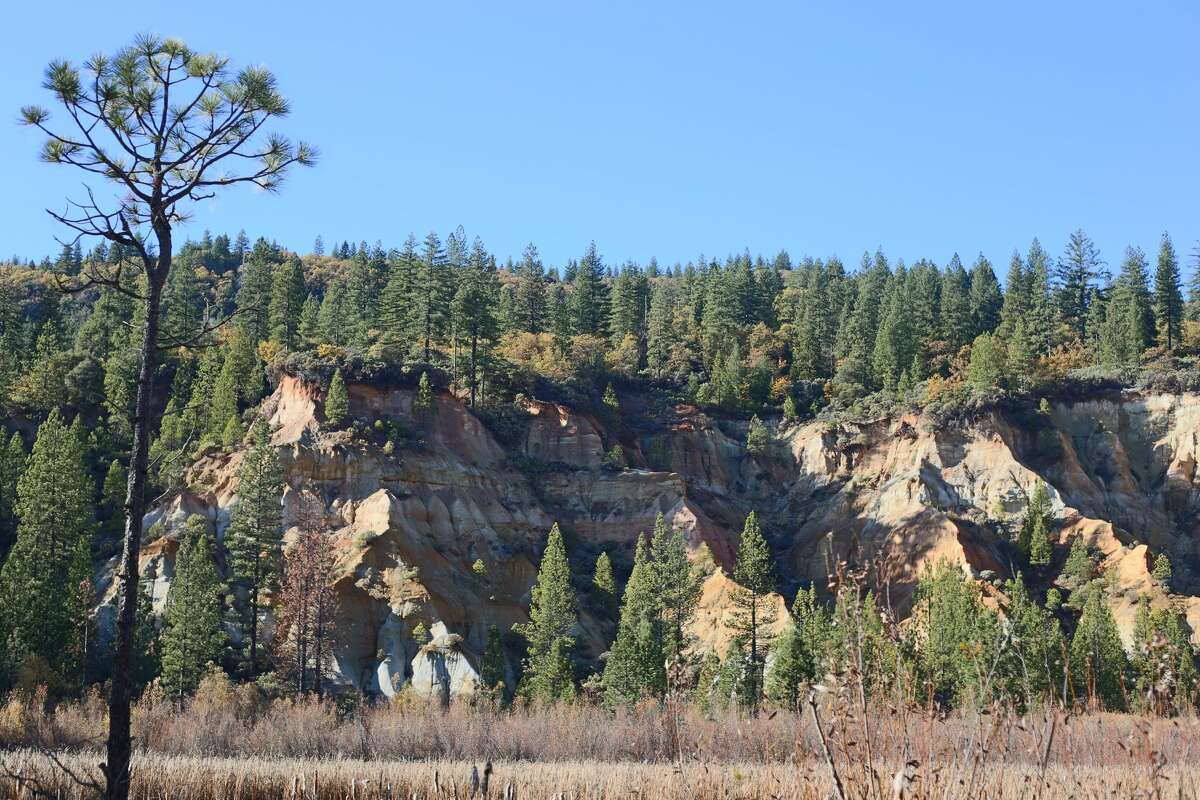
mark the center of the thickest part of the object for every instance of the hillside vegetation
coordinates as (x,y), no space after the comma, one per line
(384,472)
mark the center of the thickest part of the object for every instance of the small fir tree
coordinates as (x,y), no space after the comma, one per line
(757,437)
(605,585)
(192,635)
(1098,661)
(754,574)
(549,673)
(635,664)
(424,404)
(337,402)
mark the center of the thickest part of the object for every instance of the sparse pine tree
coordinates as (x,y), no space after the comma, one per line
(337,402)
(604,585)
(1098,661)
(1168,297)
(255,534)
(424,405)
(635,664)
(755,575)
(789,409)
(287,301)
(12,464)
(192,636)
(51,559)
(549,673)
(1032,666)
(1076,273)
(798,652)
(491,671)
(677,586)
(310,320)
(958,634)
(1079,566)
(1162,570)
(758,438)
(531,292)
(987,368)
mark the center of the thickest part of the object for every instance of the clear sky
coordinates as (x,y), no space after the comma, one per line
(671,129)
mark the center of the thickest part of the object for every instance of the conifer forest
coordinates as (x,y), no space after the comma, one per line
(410,517)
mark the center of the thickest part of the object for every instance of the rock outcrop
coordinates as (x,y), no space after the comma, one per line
(412,504)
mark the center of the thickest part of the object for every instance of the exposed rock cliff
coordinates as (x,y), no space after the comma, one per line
(412,504)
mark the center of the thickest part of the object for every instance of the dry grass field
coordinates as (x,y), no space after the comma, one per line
(200,778)
(240,748)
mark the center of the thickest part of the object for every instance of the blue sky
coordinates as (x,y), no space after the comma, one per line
(673,128)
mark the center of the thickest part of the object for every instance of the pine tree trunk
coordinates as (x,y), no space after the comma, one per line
(120,746)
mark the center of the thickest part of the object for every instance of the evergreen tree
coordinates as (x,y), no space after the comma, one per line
(758,439)
(661,333)
(630,295)
(432,290)
(858,642)
(192,636)
(957,323)
(604,585)
(1034,538)
(895,343)
(1163,659)
(549,673)
(677,586)
(1168,298)
(309,326)
(531,292)
(1128,325)
(958,634)
(255,277)
(51,559)
(1098,661)
(635,664)
(331,319)
(473,310)
(589,295)
(12,464)
(561,323)
(1032,667)
(287,301)
(1079,565)
(491,671)
(337,402)
(1076,274)
(987,368)
(986,299)
(1162,570)
(362,293)
(255,533)
(754,573)
(147,653)
(424,404)
(1042,314)
(112,504)
(183,304)
(1017,297)
(799,652)
(396,319)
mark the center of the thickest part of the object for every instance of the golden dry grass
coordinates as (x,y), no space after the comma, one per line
(233,746)
(198,778)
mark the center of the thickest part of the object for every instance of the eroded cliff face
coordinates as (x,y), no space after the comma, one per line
(409,519)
